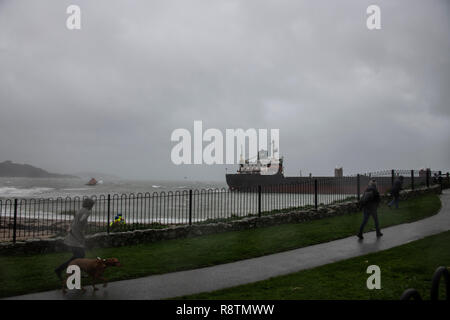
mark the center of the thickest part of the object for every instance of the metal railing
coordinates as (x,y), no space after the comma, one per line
(22,219)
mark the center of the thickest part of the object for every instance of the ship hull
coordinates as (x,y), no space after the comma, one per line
(307,185)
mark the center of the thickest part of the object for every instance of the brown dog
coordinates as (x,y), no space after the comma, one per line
(94,268)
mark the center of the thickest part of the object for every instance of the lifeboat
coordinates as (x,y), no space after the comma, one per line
(92,182)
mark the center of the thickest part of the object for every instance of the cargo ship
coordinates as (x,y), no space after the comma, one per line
(267,173)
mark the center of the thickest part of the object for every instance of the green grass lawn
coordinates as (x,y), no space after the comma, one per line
(407,266)
(33,273)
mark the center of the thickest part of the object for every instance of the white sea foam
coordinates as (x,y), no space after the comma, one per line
(17,192)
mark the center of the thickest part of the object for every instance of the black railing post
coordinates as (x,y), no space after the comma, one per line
(259,201)
(358,186)
(190,206)
(412,179)
(428,178)
(392,177)
(315,194)
(448,178)
(109,213)
(15,221)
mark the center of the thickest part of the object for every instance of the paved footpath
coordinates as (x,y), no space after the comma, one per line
(246,271)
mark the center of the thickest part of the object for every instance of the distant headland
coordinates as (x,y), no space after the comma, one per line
(10,169)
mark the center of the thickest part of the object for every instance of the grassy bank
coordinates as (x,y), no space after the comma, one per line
(24,274)
(408,266)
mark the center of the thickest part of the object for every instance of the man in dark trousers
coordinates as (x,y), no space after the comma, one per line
(75,238)
(395,192)
(369,202)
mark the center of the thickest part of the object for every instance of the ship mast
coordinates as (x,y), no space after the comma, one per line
(242,157)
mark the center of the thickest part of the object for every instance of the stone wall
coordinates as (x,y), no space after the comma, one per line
(102,240)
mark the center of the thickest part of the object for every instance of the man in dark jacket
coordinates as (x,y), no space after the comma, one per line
(395,192)
(369,202)
(75,237)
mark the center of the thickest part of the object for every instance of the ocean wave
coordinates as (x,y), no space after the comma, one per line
(17,192)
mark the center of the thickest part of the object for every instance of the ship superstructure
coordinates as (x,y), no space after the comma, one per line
(264,165)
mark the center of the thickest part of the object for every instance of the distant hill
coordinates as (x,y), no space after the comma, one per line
(10,169)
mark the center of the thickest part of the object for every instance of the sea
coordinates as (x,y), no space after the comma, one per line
(37,188)
(55,199)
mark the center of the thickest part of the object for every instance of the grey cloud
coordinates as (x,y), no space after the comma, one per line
(108,97)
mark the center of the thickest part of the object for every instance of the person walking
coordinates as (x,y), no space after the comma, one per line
(75,240)
(369,203)
(395,192)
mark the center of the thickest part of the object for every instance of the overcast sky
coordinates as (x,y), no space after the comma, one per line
(107,97)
